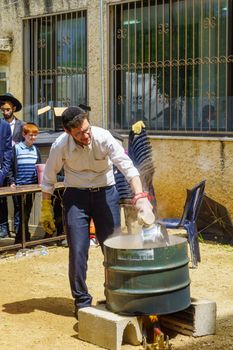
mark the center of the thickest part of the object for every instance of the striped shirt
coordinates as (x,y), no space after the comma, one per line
(26,160)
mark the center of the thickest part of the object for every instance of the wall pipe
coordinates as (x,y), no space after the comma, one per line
(102,62)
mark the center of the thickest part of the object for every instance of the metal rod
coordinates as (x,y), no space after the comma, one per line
(102,62)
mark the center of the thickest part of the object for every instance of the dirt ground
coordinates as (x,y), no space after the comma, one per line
(36,305)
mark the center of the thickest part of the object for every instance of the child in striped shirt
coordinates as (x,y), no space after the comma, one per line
(23,172)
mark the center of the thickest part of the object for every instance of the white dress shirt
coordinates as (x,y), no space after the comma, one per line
(87,166)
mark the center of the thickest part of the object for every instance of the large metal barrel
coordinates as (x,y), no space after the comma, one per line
(146,279)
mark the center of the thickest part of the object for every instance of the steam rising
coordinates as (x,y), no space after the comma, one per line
(126,241)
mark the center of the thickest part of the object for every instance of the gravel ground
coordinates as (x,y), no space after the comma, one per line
(36,305)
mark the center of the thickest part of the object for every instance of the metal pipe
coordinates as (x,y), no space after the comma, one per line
(102,62)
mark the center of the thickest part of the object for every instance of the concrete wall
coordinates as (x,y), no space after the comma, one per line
(179,162)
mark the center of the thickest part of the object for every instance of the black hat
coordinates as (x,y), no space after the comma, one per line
(85,107)
(9,97)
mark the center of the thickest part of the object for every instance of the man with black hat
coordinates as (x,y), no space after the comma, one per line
(10,105)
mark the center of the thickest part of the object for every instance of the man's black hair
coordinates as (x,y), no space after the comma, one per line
(73,117)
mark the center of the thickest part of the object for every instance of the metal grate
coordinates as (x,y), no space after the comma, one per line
(55,63)
(171,66)
(4,81)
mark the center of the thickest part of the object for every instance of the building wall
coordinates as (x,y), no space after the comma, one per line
(179,162)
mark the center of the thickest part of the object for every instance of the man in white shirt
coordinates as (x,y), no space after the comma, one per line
(87,154)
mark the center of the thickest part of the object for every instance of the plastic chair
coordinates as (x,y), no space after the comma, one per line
(188,220)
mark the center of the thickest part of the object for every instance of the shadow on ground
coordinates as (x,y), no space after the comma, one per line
(57,306)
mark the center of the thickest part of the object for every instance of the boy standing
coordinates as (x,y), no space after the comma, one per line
(23,172)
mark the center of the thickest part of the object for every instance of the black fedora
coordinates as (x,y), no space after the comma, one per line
(9,97)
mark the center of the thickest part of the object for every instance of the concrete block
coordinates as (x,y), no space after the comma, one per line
(198,319)
(101,327)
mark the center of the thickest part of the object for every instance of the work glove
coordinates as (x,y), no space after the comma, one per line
(145,214)
(137,127)
(46,217)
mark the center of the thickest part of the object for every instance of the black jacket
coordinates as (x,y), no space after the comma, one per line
(5,150)
(17,135)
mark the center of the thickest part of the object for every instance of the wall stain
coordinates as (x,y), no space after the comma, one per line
(26,6)
(222,156)
(48,5)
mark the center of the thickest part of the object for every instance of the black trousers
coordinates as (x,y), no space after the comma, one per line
(29,199)
(79,207)
(4,226)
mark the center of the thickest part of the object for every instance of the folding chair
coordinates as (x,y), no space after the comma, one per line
(188,220)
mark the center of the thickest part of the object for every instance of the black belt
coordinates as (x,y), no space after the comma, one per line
(94,189)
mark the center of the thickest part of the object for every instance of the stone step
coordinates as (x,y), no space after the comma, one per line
(199,319)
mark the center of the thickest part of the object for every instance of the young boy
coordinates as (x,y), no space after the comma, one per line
(23,172)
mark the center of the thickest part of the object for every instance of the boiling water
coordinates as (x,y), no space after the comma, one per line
(135,241)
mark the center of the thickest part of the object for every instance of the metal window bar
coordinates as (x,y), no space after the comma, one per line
(166,67)
(55,73)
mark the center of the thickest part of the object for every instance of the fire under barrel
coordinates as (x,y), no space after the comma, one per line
(144,279)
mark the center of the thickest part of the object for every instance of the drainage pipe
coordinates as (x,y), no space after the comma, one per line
(102,63)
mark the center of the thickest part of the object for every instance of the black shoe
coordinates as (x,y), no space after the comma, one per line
(4,235)
(76,310)
(62,243)
(76,313)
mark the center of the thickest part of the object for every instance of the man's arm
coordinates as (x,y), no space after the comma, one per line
(53,164)
(136,184)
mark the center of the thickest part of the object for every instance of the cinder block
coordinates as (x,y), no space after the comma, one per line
(198,319)
(101,327)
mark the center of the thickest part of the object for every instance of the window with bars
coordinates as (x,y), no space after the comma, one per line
(4,80)
(171,66)
(55,63)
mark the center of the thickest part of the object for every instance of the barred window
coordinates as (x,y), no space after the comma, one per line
(4,80)
(171,66)
(55,64)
